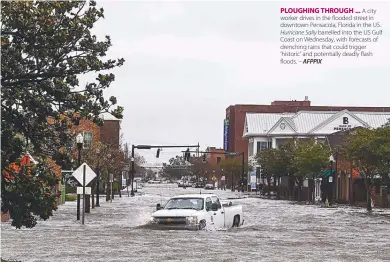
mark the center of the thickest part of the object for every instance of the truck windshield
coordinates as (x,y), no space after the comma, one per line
(185,203)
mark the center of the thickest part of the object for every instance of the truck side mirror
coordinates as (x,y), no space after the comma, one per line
(214,207)
(158,207)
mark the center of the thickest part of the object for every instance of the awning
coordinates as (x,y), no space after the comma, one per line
(325,173)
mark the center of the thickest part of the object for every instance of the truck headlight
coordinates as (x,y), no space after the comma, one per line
(192,219)
(153,219)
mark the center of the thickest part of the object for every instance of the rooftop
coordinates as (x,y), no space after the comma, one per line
(108,116)
(305,122)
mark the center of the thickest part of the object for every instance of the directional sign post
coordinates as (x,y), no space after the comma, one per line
(87,190)
(84,174)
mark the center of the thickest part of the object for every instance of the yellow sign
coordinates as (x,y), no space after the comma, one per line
(169,220)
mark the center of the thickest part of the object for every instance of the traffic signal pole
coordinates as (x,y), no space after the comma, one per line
(133,147)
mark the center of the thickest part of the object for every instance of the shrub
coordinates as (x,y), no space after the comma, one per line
(70,197)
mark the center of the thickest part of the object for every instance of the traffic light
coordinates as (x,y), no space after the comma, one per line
(158,153)
(204,158)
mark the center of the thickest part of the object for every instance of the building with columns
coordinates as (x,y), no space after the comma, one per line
(236,115)
(267,130)
(264,130)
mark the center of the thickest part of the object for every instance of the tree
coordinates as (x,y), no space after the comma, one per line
(232,169)
(103,156)
(278,163)
(177,168)
(310,158)
(27,192)
(45,46)
(368,152)
(200,169)
(268,160)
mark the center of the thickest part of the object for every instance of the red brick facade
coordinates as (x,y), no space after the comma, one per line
(236,114)
(214,160)
(110,132)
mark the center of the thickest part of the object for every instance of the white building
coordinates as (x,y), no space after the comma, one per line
(269,130)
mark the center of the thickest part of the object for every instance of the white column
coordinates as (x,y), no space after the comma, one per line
(274,143)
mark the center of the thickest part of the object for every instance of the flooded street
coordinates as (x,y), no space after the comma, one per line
(273,231)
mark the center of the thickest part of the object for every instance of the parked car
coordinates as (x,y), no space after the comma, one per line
(209,186)
(198,185)
(197,212)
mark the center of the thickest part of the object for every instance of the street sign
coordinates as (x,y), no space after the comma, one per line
(80,190)
(233,154)
(111,178)
(89,174)
(125,175)
(67,178)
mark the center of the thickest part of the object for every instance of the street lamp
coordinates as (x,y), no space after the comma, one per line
(330,181)
(79,141)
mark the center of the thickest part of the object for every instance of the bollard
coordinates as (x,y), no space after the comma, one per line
(78,207)
(87,204)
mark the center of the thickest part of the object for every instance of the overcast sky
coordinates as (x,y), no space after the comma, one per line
(186,62)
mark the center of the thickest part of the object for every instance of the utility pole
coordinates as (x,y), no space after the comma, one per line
(132,169)
(150,147)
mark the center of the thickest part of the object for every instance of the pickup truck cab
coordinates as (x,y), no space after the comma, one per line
(197,211)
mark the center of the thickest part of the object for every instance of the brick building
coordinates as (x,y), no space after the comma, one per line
(108,133)
(235,118)
(214,159)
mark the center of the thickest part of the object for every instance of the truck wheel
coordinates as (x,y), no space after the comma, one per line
(236,221)
(202,225)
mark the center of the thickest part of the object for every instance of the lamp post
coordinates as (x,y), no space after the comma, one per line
(79,142)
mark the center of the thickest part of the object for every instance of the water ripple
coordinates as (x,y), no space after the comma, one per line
(273,231)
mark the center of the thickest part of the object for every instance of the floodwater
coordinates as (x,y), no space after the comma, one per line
(273,231)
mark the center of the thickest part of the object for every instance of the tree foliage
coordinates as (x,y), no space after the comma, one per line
(310,158)
(278,161)
(27,192)
(45,47)
(363,150)
(234,165)
(177,167)
(369,153)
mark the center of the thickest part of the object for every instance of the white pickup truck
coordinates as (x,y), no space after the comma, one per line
(197,211)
